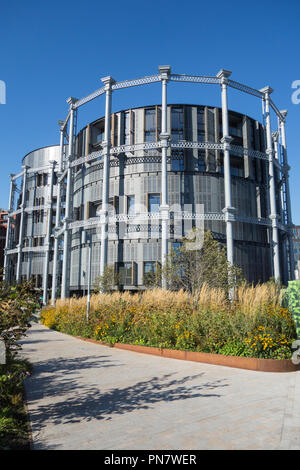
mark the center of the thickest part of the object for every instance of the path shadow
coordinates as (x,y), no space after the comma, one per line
(75,402)
(61,376)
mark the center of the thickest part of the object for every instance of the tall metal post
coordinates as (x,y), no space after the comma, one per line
(281,215)
(30,254)
(48,235)
(106,143)
(8,229)
(272,189)
(287,193)
(164,137)
(226,140)
(66,253)
(87,239)
(21,228)
(57,216)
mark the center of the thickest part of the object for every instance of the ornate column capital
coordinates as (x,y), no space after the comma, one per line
(71,101)
(267,90)
(223,75)
(226,141)
(165,71)
(61,125)
(108,82)
(229,213)
(284,114)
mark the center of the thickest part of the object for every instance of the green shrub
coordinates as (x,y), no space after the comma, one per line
(235,347)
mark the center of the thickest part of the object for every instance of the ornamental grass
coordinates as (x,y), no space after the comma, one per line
(206,321)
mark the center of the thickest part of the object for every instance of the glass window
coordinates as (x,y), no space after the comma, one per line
(125,272)
(177,119)
(130,205)
(149,267)
(150,125)
(153,202)
(99,135)
(200,125)
(177,164)
(150,119)
(177,135)
(236,166)
(201,161)
(127,129)
(150,136)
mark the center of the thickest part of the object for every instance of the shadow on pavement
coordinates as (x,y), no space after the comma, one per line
(74,402)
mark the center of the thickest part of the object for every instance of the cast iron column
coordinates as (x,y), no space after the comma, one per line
(164,137)
(48,234)
(21,228)
(287,193)
(66,253)
(226,140)
(57,216)
(7,241)
(272,190)
(106,144)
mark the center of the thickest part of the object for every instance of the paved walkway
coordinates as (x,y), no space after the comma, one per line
(87,396)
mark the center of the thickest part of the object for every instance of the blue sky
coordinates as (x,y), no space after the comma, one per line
(53,50)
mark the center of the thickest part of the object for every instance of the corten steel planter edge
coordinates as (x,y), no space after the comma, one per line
(249,363)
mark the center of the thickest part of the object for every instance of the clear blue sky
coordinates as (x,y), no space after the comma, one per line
(53,50)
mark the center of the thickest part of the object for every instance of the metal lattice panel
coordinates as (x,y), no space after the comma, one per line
(194,79)
(276,110)
(196,145)
(135,147)
(90,97)
(245,88)
(136,82)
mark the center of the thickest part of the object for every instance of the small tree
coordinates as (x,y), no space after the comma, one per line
(152,279)
(189,269)
(108,281)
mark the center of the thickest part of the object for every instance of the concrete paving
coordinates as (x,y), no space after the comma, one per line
(86,396)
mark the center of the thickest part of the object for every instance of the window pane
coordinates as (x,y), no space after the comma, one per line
(149,267)
(177,165)
(150,119)
(177,118)
(125,271)
(150,136)
(177,135)
(201,161)
(127,129)
(131,205)
(153,202)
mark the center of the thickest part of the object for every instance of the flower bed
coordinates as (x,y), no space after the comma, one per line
(255,325)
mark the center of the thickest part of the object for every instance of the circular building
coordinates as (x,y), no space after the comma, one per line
(127,187)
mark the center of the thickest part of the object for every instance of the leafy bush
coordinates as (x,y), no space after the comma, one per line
(235,347)
(17,304)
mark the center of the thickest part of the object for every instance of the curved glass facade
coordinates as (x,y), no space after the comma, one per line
(195,181)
